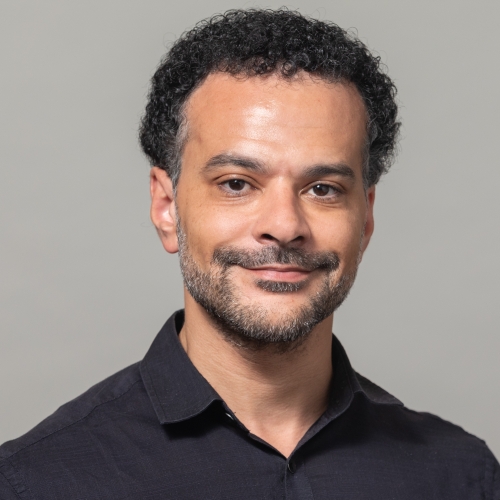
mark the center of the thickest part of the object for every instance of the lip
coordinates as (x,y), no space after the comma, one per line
(283,273)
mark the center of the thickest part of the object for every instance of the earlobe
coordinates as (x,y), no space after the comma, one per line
(163,210)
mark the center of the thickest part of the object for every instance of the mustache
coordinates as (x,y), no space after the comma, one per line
(310,261)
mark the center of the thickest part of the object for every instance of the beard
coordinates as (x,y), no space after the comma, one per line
(254,326)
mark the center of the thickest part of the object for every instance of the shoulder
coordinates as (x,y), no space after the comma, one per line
(70,429)
(76,410)
(428,443)
(392,417)
(444,445)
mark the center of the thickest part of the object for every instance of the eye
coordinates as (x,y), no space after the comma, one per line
(235,186)
(323,190)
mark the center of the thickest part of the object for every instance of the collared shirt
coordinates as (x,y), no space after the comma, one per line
(158,430)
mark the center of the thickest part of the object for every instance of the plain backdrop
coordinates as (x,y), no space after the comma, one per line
(84,283)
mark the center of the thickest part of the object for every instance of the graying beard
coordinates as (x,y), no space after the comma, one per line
(248,326)
(280,286)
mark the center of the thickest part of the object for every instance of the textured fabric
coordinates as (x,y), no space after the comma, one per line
(158,430)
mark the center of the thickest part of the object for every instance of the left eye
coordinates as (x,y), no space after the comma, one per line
(322,190)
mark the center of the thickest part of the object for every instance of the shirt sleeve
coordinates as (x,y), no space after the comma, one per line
(6,490)
(496,479)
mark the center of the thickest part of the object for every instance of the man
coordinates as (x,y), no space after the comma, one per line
(267,133)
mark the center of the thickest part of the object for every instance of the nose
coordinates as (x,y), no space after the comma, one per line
(281,219)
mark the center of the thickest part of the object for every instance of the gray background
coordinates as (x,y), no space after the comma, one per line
(84,283)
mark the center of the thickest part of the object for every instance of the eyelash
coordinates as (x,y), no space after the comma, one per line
(225,186)
(336,191)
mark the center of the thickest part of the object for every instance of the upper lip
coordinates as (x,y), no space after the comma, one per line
(279,268)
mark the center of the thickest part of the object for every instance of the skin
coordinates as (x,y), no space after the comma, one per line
(279,132)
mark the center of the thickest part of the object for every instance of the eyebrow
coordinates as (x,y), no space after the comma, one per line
(254,165)
(330,169)
(239,161)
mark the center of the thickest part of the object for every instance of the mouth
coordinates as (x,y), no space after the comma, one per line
(281,273)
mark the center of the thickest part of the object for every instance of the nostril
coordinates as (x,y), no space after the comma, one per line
(268,237)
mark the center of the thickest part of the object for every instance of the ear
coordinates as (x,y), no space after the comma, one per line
(163,210)
(369,221)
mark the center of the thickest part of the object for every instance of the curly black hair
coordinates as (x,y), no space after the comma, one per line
(257,42)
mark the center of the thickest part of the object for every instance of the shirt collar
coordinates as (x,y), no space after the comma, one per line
(344,375)
(176,388)
(178,391)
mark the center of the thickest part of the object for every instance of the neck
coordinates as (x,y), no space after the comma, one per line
(276,395)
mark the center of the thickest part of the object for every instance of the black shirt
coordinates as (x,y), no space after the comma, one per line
(158,430)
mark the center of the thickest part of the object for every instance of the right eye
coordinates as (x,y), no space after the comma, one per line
(235,186)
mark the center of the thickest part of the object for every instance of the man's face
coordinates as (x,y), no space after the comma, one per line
(270,210)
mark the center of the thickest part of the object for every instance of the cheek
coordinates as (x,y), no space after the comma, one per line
(209,227)
(344,237)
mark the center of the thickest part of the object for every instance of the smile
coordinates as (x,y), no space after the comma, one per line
(289,274)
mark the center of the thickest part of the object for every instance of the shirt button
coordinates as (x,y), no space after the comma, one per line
(229,416)
(292,467)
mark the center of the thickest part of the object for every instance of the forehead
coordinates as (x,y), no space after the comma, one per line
(277,119)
